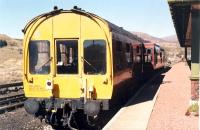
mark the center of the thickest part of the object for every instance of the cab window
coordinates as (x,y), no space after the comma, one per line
(39,57)
(67,56)
(94,57)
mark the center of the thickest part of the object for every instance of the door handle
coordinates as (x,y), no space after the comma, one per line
(30,80)
(105,81)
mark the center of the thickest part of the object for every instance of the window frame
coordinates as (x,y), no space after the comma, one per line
(56,59)
(106,67)
(50,65)
(120,50)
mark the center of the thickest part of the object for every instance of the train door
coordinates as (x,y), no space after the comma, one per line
(66,83)
(155,56)
(96,73)
(137,60)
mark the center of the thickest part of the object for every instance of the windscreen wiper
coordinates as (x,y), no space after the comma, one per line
(45,63)
(90,64)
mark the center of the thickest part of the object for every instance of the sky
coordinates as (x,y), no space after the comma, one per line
(149,16)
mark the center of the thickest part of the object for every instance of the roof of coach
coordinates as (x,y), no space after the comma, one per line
(117,29)
(120,30)
(151,44)
(112,27)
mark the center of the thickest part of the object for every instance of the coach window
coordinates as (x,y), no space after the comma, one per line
(149,55)
(128,53)
(67,56)
(138,49)
(156,54)
(119,55)
(39,57)
(94,57)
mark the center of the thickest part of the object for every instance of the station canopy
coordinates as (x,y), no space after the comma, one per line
(181,15)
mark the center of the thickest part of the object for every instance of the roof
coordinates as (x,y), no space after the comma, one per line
(120,30)
(112,27)
(181,16)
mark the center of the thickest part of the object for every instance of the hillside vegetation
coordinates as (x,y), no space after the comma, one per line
(11,60)
(10,41)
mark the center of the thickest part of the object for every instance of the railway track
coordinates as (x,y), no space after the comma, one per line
(13,87)
(11,97)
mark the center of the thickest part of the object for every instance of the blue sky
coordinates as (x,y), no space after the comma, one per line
(149,16)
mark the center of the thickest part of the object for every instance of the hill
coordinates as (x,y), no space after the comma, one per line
(171,38)
(10,60)
(11,41)
(166,39)
(148,37)
(173,51)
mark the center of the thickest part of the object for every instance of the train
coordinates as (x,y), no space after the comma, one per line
(77,62)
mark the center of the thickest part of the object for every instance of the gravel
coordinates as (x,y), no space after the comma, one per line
(20,120)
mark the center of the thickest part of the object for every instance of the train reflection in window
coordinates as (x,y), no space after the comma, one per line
(94,57)
(39,57)
(67,56)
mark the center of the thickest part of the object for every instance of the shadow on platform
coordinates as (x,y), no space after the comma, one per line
(147,94)
(150,89)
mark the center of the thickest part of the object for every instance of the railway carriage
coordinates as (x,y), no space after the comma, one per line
(138,60)
(153,58)
(148,58)
(154,54)
(74,60)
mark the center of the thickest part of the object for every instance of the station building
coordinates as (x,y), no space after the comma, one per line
(186,18)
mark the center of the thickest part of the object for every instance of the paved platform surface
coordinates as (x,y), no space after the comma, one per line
(170,92)
(172,102)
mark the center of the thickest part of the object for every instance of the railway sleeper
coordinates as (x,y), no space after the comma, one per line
(10,89)
(12,99)
(10,107)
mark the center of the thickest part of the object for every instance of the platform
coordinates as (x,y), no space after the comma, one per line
(137,113)
(173,101)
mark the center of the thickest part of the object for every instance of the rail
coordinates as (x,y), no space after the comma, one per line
(5,88)
(11,101)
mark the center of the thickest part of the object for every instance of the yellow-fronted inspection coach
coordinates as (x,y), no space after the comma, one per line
(73,61)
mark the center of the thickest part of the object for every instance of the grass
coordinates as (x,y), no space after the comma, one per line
(194,108)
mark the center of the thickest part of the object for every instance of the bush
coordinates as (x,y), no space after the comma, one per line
(3,43)
(194,108)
